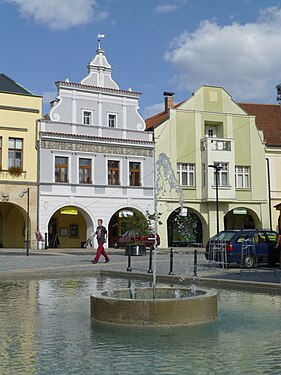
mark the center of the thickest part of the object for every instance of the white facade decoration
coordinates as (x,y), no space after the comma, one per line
(64,135)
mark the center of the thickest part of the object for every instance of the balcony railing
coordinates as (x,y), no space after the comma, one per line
(215,144)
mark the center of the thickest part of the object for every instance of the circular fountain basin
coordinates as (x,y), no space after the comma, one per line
(168,306)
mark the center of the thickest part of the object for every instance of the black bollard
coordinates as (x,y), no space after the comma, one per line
(46,240)
(171,262)
(129,268)
(150,260)
(195,264)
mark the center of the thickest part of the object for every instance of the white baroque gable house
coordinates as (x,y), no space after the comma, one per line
(96,160)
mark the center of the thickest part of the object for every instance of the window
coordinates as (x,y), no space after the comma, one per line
(272,237)
(135,173)
(186,174)
(15,152)
(113,172)
(73,230)
(87,118)
(85,171)
(222,174)
(210,131)
(242,237)
(242,177)
(112,120)
(61,169)
(203,174)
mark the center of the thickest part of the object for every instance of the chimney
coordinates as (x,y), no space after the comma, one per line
(169,100)
(278,88)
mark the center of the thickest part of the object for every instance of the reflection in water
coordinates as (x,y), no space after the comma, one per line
(18,327)
(45,329)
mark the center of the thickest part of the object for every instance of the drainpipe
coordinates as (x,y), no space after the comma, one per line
(269,193)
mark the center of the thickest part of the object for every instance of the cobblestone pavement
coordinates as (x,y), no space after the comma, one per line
(14,263)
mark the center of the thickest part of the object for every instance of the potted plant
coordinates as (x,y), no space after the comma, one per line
(139,225)
(15,171)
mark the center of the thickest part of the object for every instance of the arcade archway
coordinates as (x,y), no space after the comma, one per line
(241,218)
(67,228)
(184,228)
(12,225)
(115,228)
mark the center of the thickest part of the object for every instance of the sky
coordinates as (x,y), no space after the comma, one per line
(152,45)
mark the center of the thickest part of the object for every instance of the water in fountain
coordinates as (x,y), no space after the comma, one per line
(132,290)
(110,289)
(177,294)
(193,289)
(164,177)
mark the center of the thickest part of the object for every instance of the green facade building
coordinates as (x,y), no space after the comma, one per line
(206,133)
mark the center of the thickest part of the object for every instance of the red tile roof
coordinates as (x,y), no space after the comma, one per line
(268,119)
(156,120)
(159,118)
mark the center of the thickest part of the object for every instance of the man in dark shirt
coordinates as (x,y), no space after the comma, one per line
(101,234)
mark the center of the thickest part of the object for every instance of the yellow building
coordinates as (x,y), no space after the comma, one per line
(19,112)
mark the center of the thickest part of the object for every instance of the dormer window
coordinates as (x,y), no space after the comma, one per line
(112,120)
(87,117)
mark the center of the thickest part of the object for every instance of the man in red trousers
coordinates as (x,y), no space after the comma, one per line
(101,234)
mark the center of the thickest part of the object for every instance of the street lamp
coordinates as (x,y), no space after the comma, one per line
(217,168)
(21,195)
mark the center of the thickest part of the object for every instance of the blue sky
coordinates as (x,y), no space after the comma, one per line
(152,45)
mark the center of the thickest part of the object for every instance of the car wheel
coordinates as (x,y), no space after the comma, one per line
(249,261)
(116,245)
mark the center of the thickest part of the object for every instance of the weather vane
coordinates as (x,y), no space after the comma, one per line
(99,37)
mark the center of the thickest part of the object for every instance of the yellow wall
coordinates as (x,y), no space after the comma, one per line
(18,119)
(20,124)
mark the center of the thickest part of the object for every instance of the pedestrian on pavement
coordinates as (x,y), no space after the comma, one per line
(101,234)
(90,241)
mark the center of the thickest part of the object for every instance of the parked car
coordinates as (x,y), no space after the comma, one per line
(245,246)
(127,237)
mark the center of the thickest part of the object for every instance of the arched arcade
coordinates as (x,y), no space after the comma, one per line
(241,218)
(12,225)
(69,227)
(115,228)
(184,227)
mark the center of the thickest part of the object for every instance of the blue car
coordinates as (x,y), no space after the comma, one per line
(247,247)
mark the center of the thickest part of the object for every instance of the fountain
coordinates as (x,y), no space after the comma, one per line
(169,306)
(159,306)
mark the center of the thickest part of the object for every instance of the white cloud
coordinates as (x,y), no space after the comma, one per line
(244,59)
(62,14)
(169,7)
(151,110)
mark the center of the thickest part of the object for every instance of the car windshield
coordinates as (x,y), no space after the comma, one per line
(225,235)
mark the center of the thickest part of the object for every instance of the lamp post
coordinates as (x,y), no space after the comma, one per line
(21,195)
(217,168)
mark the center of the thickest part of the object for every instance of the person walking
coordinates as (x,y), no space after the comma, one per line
(101,234)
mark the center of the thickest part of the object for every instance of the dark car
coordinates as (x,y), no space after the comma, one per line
(127,237)
(246,247)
